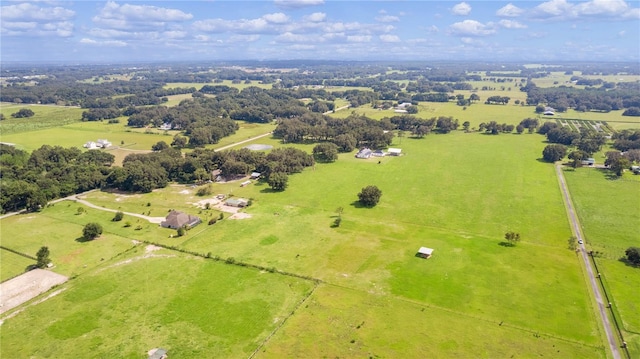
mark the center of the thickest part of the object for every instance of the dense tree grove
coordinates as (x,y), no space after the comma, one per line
(554,152)
(29,181)
(604,98)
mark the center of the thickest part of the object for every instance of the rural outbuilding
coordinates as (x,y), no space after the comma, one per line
(364,153)
(424,252)
(589,162)
(255,175)
(394,151)
(177,219)
(237,202)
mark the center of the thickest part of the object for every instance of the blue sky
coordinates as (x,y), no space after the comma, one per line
(131,31)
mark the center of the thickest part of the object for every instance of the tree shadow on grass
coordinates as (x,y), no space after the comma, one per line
(83,239)
(627,262)
(269,190)
(358,204)
(506,244)
(608,174)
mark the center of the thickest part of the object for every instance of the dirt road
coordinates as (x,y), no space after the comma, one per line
(241,142)
(156,220)
(577,230)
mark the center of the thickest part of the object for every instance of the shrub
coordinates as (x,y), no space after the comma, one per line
(212,221)
(91,231)
(118,217)
(369,196)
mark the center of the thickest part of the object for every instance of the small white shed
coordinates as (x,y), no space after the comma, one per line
(425,252)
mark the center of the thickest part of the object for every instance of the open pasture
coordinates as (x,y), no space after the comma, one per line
(192,307)
(59,227)
(13,264)
(608,209)
(340,322)
(459,202)
(45,116)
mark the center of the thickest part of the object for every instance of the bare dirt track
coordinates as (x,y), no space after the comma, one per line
(27,286)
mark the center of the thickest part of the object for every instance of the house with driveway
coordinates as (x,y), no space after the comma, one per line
(177,219)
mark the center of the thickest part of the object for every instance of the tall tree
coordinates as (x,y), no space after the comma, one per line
(370,196)
(91,231)
(42,257)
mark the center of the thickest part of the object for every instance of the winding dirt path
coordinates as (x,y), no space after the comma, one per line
(577,230)
(156,220)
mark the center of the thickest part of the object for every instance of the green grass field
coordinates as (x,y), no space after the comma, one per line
(608,210)
(13,264)
(457,193)
(193,307)
(45,116)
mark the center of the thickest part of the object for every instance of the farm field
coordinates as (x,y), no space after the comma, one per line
(150,298)
(608,211)
(286,281)
(479,112)
(472,284)
(45,116)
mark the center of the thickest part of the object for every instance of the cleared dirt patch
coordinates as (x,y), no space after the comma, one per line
(27,286)
(240,215)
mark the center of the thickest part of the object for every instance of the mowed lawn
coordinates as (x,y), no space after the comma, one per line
(194,308)
(609,209)
(456,193)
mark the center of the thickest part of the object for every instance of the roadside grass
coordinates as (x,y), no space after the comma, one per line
(608,210)
(13,264)
(192,307)
(340,322)
(45,116)
(59,228)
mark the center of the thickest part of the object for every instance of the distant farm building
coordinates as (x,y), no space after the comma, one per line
(255,175)
(364,153)
(101,143)
(378,153)
(394,151)
(177,219)
(245,183)
(237,202)
(165,126)
(424,252)
(589,162)
(549,111)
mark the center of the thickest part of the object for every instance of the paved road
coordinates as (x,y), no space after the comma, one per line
(602,307)
(241,142)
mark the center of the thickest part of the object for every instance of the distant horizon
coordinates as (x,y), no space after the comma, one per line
(135,31)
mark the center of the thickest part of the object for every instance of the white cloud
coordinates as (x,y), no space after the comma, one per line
(31,20)
(472,28)
(511,24)
(294,4)
(30,12)
(604,9)
(509,10)
(290,37)
(144,13)
(359,38)
(387,18)
(174,34)
(316,17)
(433,29)
(276,18)
(244,38)
(389,38)
(461,9)
(246,26)
(114,43)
